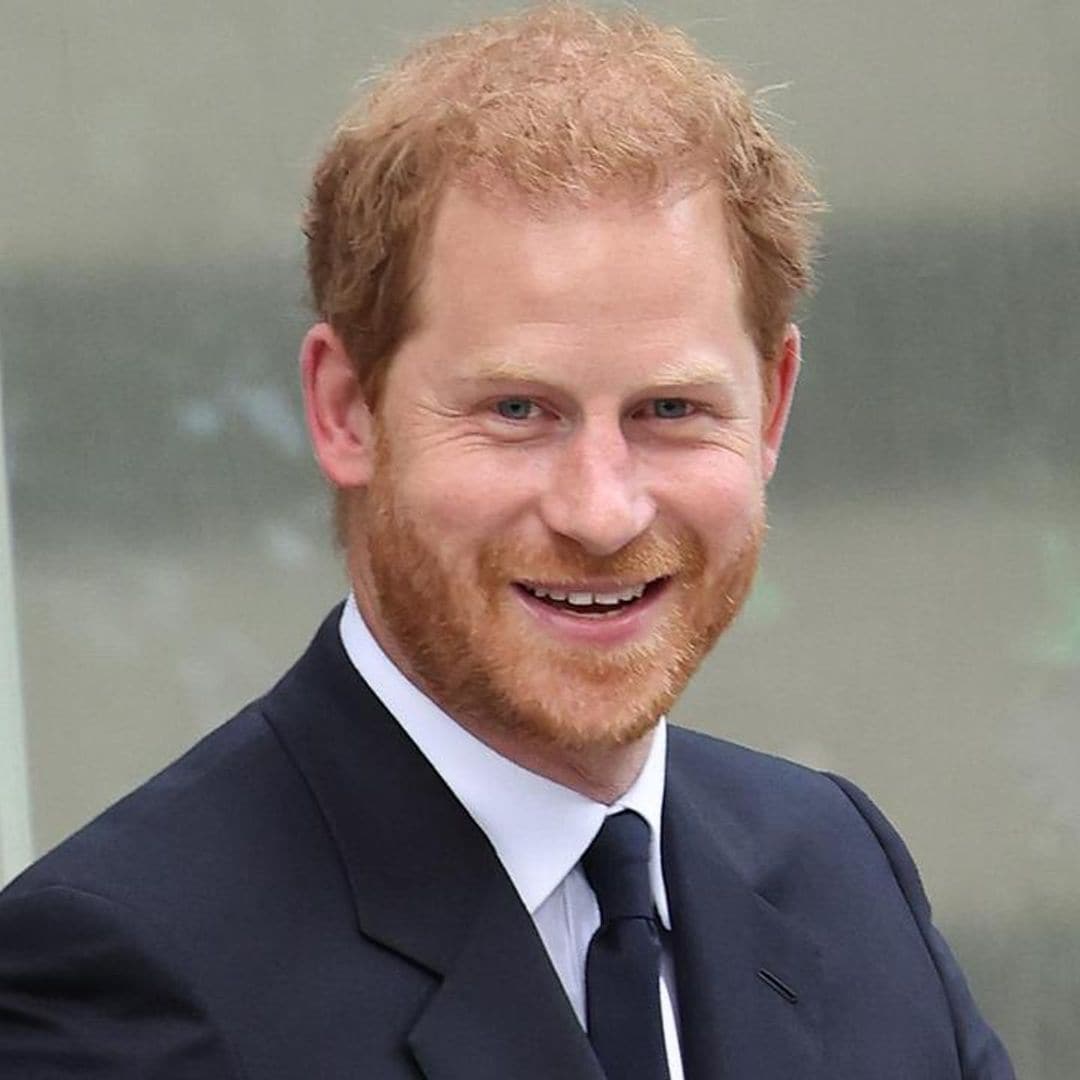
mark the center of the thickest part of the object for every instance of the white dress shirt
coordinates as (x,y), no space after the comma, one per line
(538,828)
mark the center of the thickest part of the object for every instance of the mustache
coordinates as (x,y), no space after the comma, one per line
(644,559)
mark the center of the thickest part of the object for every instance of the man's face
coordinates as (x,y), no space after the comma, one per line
(568,492)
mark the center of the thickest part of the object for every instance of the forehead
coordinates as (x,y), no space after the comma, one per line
(578,273)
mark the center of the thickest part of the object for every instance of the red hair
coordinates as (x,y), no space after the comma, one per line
(555,103)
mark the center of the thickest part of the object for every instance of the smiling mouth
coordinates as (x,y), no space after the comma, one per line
(607,602)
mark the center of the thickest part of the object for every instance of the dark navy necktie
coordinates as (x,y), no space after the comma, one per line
(622,967)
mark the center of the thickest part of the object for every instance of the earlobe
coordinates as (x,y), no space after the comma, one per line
(780,377)
(338,417)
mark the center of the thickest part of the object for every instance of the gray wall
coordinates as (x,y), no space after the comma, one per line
(917,622)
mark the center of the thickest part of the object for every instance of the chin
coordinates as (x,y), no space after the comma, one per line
(581,730)
(583,711)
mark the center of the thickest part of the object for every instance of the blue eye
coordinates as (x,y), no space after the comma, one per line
(671,408)
(516,408)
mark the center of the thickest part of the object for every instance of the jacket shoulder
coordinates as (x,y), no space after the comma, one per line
(815,846)
(213,804)
(762,789)
(781,821)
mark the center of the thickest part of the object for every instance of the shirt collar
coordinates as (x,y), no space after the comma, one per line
(539,829)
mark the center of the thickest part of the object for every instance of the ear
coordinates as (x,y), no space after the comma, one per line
(780,378)
(339,421)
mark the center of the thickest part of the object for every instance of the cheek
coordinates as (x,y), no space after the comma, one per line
(464,502)
(722,509)
(717,499)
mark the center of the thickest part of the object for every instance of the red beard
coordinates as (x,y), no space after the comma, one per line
(463,637)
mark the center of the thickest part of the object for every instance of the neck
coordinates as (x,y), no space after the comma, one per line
(601,773)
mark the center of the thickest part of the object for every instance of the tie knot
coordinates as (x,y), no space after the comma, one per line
(617,867)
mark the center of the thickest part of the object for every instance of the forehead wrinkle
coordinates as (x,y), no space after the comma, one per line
(682,371)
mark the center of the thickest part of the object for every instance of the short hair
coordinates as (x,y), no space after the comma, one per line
(557,102)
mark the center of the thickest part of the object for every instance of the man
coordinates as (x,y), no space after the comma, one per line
(555,260)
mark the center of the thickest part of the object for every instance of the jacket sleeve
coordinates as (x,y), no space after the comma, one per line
(982,1055)
(88,992)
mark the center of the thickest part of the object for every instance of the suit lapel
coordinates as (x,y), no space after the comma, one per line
(738,961)
(501,1011)
(426,882)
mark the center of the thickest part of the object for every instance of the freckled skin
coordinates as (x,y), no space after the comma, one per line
(581,403)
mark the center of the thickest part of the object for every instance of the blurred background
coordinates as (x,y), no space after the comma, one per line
(916,625)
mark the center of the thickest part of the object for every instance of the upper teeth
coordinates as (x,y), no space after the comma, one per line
(583,599)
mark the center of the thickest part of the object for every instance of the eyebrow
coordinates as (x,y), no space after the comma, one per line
(693,371)
(504,369)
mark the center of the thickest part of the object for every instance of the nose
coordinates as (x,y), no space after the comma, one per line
(595,494)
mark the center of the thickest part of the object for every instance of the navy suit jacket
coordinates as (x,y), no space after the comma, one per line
(302,896)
